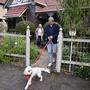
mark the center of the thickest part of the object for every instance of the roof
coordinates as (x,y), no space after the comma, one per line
(16,11)
(7,3)
(48,6)
(46,9)
(3,1)
(51,5)
(41,2)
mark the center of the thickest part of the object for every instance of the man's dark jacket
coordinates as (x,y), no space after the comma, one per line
(52,31)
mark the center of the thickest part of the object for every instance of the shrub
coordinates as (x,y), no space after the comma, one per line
(13,45)
(22,26)
(82,71)
(34,52)
(77,56)
(4,58)
(66,51)
(3,26)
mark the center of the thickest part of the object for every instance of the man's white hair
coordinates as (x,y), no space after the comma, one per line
(51,19)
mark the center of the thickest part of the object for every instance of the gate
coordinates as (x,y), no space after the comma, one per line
(72,52)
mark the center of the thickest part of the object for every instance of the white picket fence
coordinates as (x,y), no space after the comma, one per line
(27,40)
(60,55)
(69,61)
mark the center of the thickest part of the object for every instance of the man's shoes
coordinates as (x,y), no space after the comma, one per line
(50,64)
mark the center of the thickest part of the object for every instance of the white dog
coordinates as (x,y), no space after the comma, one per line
(35,71)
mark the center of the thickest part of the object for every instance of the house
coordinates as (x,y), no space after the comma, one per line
(36,11)
(48,9)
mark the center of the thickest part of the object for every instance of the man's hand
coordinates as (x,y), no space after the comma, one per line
(50,38)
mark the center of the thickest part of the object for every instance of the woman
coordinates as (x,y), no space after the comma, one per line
(39,34)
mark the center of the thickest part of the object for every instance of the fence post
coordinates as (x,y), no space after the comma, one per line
(59,51)
(28,46)
(71,52)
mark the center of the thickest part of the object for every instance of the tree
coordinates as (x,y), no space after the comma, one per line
(73,15)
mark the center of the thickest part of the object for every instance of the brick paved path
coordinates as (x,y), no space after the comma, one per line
(43,61)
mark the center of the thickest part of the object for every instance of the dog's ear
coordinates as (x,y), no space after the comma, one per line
(28,70)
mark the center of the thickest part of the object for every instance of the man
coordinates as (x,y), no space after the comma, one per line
(51,32)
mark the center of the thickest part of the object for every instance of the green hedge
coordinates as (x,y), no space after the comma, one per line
(82,71)
(15,46)
(34,52)
(22,26)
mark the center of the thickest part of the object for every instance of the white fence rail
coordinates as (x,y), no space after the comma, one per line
(76,40)
(75,63)
(72,44)
(16,55)
(12,35)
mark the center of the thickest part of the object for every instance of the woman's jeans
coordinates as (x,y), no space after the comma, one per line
(52,51)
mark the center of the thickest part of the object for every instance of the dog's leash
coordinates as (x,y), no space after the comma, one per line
(41,51)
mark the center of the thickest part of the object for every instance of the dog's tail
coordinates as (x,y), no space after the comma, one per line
(46,70)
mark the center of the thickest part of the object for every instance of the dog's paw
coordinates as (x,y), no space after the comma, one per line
(29,84)
(25,88)
(41,80)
